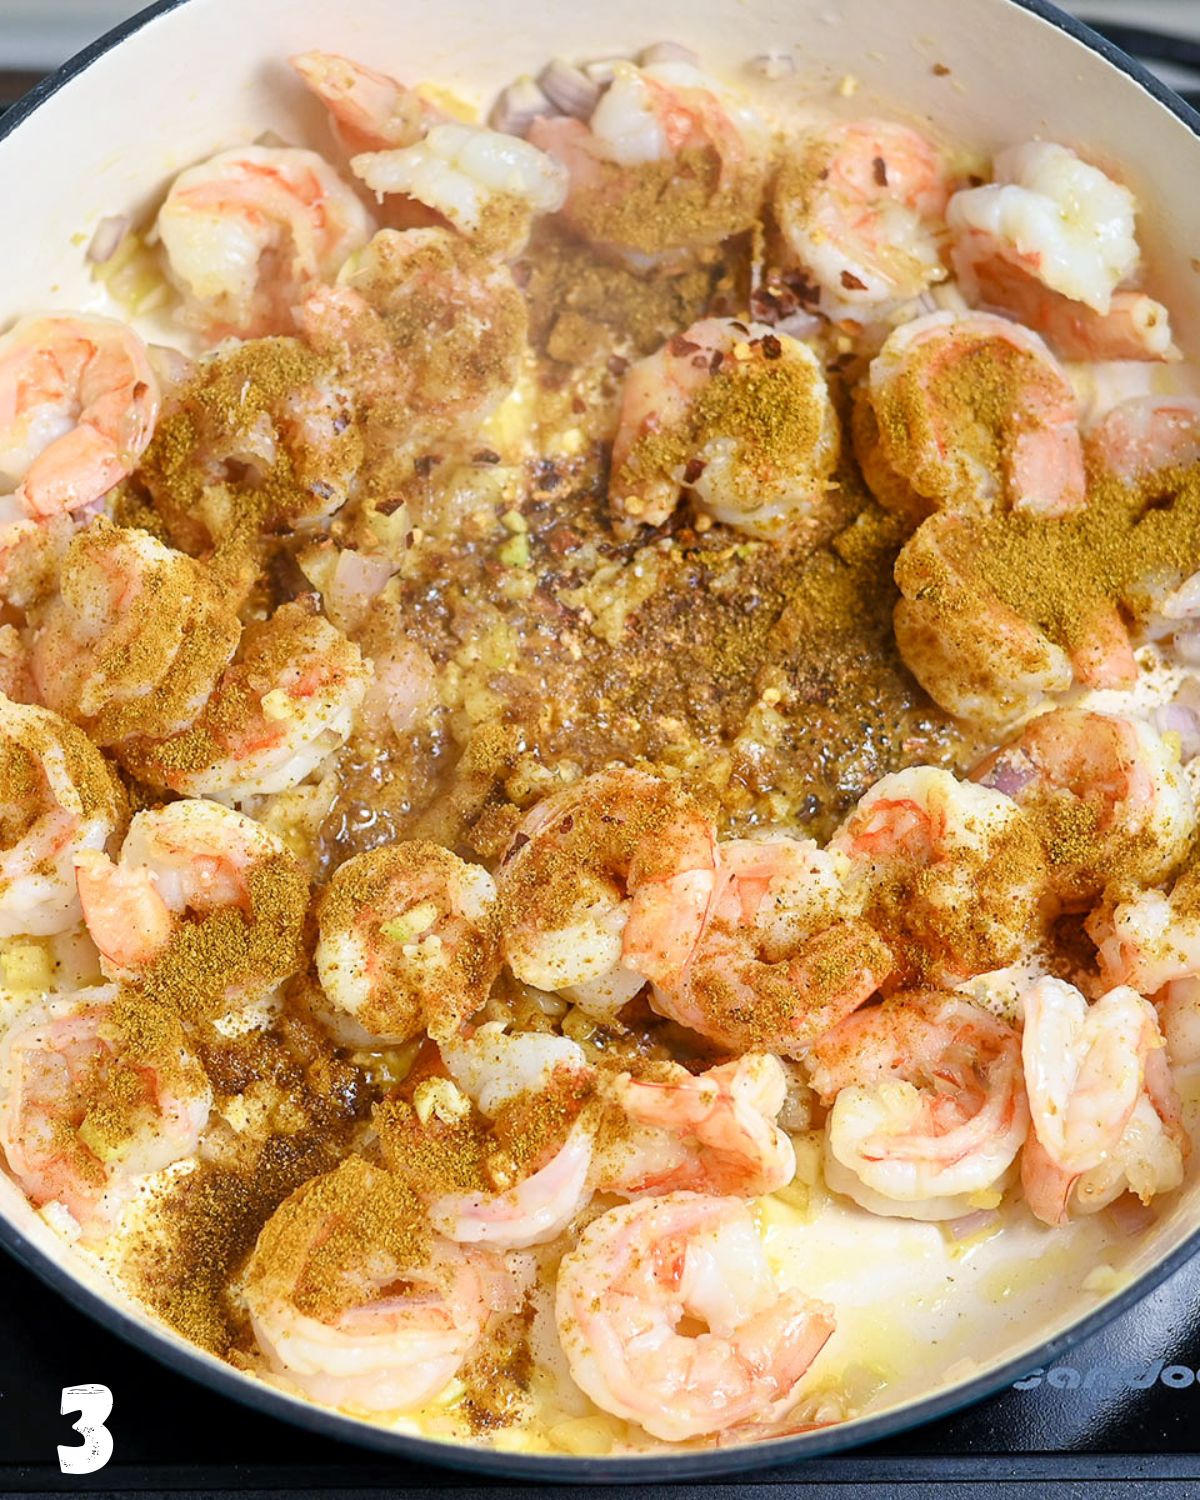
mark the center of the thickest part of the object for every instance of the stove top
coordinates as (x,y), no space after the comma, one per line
(1117,1414)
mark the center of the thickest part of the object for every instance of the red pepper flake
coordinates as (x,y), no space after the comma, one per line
(771,347)
(567,823)
(741,327)
(578,405)
(426,464)
(389,506)
(851,282)
(880,168)
(693,469)
(717,361)
(679,346)
(486,456)
(617,364)
(806,292)
(940,70)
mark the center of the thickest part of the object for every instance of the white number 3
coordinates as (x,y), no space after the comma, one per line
(94,1403)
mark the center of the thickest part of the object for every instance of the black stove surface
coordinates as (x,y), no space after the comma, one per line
(1120,1413)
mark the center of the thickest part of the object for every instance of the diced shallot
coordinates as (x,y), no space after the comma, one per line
(569,88)
(519,106)
(106,241)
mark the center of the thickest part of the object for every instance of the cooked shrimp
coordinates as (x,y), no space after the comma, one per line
(638,1272)
(494,1067)
(78,404)
(1178,1007)
(1051,240)
(520,1175)
(430,333)
(951,875)
(669,164)
(978,656)
(248,233)
(1106,795)
(861,207)
(768,953)
(260,438)
(58,797)
(285,704)
(368,110)
(1104,1111)
(586,859)
(408,943)
(194,879)
(972,413)
(356,1304)
(928,1105)
(1145,435)
(490,186)
(96,1091)
(136,639)
(739,415)
(712,1132)
(1150,938)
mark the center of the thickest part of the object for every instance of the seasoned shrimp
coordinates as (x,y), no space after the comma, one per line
(194,879)
(712,1132)
(356,1305)
(668,165)
(368,110)
(136,639)
(860,207)
(977,655)
(78,404)
(739,415)
(1104,1110)
(771,957)
(951,875)
(250,231)
(637,1272)
(928,1104)
(285,704)
(408,943)
(972,412)
(1051,240)
(1150,938)
(261,437)
(96,1091)
(1106,795)
(583,862)
(431,334)
(517,1173)
(488,185)
(59,798)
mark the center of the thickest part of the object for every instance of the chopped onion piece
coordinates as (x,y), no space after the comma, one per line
(773,65)
(569,88)
(969,1224)
(1129,1215)
(667,52)
(107,239)
(519,106)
